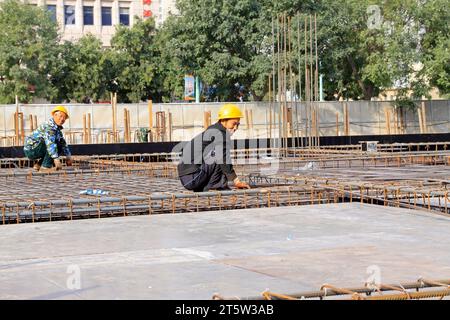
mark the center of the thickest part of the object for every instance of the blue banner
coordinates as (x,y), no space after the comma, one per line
(189,88)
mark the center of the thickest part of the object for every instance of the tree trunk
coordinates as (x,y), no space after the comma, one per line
(366,89)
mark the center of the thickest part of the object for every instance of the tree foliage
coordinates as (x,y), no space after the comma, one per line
(28,47)
(222,42)
(83,73)
(133,57)
(365,47)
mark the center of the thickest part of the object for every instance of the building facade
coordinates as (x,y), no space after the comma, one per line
(100,17)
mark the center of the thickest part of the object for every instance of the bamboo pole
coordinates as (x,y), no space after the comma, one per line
(279,116)
(299,114)
(285,132)
(311,64)
(311,73)
(272,85)
(35,122)
(307,91)
(270,108)
(316,81)
(290,109)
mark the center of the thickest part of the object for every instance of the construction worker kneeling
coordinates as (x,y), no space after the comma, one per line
(46,144)
(206,160)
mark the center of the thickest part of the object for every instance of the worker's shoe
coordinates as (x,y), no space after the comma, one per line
(47,170)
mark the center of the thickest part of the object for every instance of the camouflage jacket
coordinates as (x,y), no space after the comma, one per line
(51,134)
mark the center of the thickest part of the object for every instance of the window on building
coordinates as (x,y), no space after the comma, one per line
(124,16)
(106,16)
(69,14)
(52,9)
(88,15)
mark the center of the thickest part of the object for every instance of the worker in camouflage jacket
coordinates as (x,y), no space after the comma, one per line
(46,144)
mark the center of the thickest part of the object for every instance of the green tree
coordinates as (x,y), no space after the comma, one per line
(28,52)
(367,46)
(222,42)
(433,19)
(170,75)
(135,59)
(83,74)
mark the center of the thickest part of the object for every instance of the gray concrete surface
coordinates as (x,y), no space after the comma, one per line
(234,253)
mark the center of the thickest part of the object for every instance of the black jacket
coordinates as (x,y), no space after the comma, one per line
(214,144)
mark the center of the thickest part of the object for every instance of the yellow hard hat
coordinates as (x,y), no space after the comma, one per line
(62,109)
(229,111)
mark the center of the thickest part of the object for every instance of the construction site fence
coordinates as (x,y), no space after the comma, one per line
(145,121)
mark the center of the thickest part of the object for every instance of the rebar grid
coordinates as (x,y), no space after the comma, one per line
(248,160)
(69,208)
(139,185)
(416,187)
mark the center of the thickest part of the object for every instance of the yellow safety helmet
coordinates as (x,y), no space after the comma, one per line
(229,111)
(62,109)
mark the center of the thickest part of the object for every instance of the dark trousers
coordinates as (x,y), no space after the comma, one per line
(40,154)
(208,177)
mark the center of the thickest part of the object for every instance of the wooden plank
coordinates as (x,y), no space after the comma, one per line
(31,123)
(150,120)
(424,117)
(84,129)
(22,127)
(125,125)
(387,121)
(129,125)
(419,114)
(171,125)
(337,124)
(206,119)
(89,129)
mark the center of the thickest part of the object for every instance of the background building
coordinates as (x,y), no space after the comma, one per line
(100,17)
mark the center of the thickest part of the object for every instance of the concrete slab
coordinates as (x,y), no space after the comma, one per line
(234,253)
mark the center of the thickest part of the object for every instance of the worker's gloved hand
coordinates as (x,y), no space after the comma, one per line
(58,164)
(240,185)
(69,162)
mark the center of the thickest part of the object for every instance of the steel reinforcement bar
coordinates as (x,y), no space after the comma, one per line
(368,292)
(98,207)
